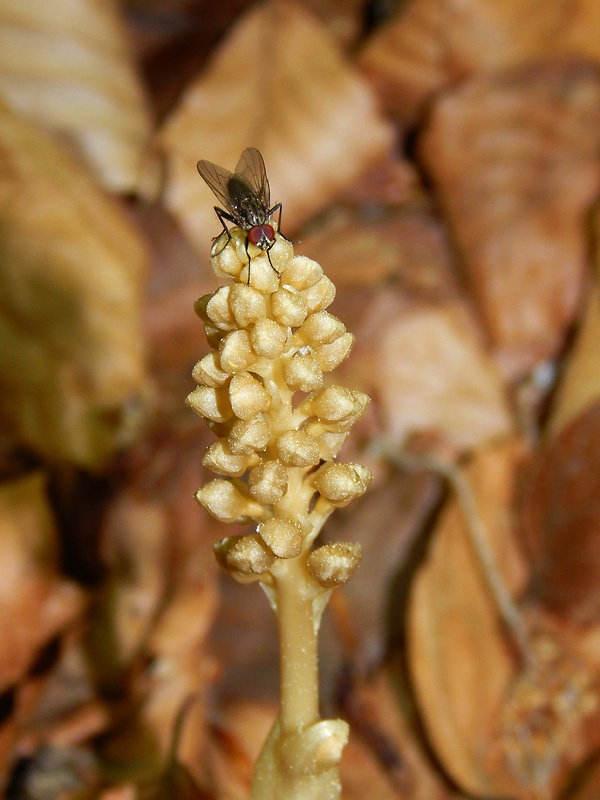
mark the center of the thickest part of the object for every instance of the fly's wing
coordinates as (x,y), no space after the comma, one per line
(216,178)
(251,167)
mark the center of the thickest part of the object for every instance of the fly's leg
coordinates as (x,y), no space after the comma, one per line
(222,217)
(270,213)
(276,271)
(269,257)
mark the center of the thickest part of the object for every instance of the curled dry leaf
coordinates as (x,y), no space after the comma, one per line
(432,43)
(382,760)
(135,551)
(69,67)
(561,514)
(35,601)
(71,349)
(177,679)
(430,374)
(458,653)
(279,83)
(36,604)
(516,163)
(409,246)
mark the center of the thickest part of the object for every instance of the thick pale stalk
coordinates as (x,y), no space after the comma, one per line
(300,758)
(298,656)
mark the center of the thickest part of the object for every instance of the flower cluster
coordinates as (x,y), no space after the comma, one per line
(262,391)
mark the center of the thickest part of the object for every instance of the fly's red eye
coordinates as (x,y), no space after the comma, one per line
(255,234)
(259,233)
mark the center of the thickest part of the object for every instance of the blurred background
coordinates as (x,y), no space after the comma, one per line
(441,161)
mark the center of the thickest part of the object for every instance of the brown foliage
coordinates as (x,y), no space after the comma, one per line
(444,171)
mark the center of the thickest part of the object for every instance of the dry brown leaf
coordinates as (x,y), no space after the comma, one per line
(562,519)
(429,373)
(409,246)
(71,346)
(279,83)
(432,43)
(382,760)
(68,66)
(580,386)
(516,163)
(458,653)
(135,552)
(588,785)
(36,604)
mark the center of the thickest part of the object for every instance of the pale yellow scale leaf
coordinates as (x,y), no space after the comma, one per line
(72,270)
(580,385)
(515,160)
(35,602)
(434,376)
(459,657)
(432,43)
(68,66)
(278,83)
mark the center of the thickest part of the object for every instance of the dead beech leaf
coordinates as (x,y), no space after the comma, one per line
(68,66)
(134,551)
(382,760)
(279,83)
(561,515)
(409,246)
(429,373)
(432,43)
(180,673)
(35,602)
(516,163)
(71,346)
(458,653)
(580,385)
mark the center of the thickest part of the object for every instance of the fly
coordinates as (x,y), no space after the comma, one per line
(245,197)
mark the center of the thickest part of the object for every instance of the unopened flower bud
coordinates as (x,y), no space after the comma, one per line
(340,484)
(207,372)
(210,403)
(224,259)
(219,458)
(281,252)
(297,449)
(338,407)
(302,372)
(268,338)
(319,296)
(289,307)
(333,564)
(236,352)
(247,304)
(247,396)
(301,273)
(225,501)
(262,275)
(268,482)
(321,328)
(283,535)
(217,309)
(246,555)
(249,436)
(331,355)
(330,444)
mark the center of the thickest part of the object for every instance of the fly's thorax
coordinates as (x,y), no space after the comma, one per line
(246,205)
